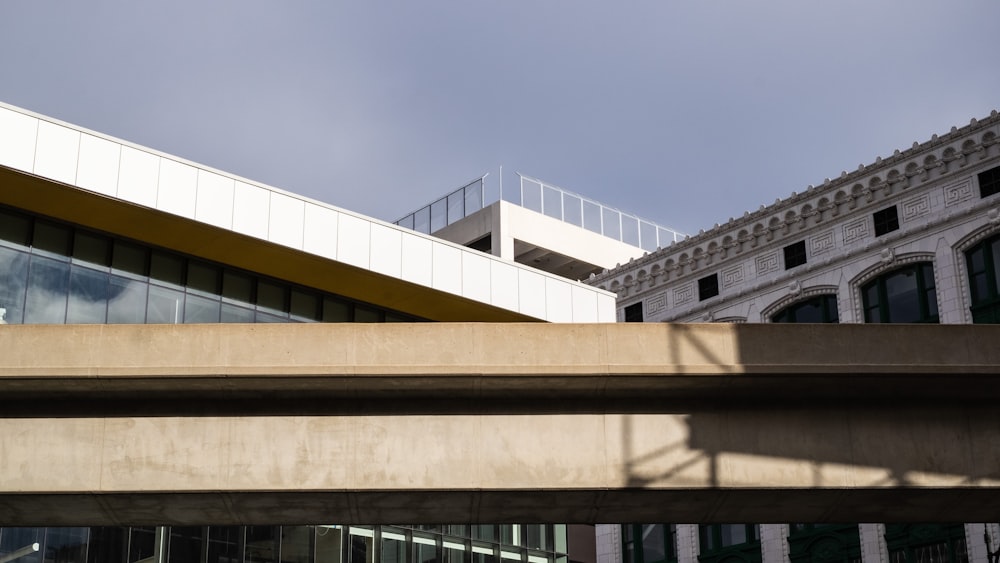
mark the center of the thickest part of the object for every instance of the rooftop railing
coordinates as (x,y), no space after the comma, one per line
(546,199)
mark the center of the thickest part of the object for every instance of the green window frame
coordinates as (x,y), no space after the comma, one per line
(903,295)
(917,543)
(729,543)
(983,265)
(649,543)
(819,309)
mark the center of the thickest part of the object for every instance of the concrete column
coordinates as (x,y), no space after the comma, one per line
(687,543)
(952,308)
(873,547)
(774,543)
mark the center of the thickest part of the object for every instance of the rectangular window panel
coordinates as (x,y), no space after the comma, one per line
(202,310)
(903,299)
(166,306)
(88,296)
(271,297)
(91,248)
(456,207)
(592,217)
(127,258)
(647,236)
(531,195)
(439,215)
(552,202)
(186,543)
(886,221)
(708,286)
(202,278)
(235,314)
(223,544)
(630,230)
(611,223)
(795,254)
(14,229)
(422,220)
(654,547)
(237,287)
(166,269)
(337,311)
(304,306)
(572,210)
(65,544)
(364,314)
(633,313)
(989,182)
(13,282)
(51,238)
(296,545)
(126,301)
(473,197)
(48,287)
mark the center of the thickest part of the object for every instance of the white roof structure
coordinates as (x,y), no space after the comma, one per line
(85,160)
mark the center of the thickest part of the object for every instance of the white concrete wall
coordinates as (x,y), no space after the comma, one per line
(91,161)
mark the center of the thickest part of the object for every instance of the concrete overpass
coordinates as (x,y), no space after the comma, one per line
(437,422)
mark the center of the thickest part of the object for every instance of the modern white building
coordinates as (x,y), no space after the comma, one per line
(913,237)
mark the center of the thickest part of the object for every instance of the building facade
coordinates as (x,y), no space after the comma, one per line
(911,238)
(95,230)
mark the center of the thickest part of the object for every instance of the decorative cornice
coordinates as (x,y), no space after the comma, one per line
(849,194)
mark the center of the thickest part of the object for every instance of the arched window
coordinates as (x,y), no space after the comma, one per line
(983,263)
(819,309)
(904,295)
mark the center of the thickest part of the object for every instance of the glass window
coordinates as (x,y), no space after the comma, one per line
(202,278)
(235,314)
(304,306)
(166,268)
(223,544)
(633,313)
(364,314)
(708,286)
(337,311)
(270,297)
(51,238)
(886,221)
(237,287)
(165,306)
(647,236)
(48,287)
(795,254)
(983,264)
(297,544)
(198,309)
(126,301)
(88,296)
(572,210)
(141,543)
(989,182)
(13,539)
(422,220)
(531,195)
(14,229)
(186,544)
(630,230)
(91,248)
(904,295)
(821,309)
(474,196)
(261,544)
(439,215)
(13,282)
(128,258)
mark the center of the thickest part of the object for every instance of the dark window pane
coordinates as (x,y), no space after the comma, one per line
(261,544)
(51,238)
(633,313)
(141,543)
(795,254)
(364,314)
(237,287)
(203,278)
(107,544)
(708,286)
(128,258)
(654,547)
(13,539)
(886,221)
(92,248)
(223,544)
(14,229)
(271,297)
(66,545)
(296,544)
(989,182)
(337,311)
(903,300)
(304,306)
(88,296)
(166,268)
(185,544)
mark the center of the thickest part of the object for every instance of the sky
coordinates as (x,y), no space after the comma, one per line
(684,112)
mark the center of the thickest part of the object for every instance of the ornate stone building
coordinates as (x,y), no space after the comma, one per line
(911,238)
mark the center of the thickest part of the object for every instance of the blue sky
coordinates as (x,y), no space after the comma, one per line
(684,112)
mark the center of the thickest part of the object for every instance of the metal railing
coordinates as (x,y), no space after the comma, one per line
(455,206)
(548,200)
(592,215)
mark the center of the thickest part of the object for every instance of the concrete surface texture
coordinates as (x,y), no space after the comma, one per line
(499,423)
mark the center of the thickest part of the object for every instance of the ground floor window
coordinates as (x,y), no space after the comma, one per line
(650,543)
(824,543)
(729,543)
(926,543)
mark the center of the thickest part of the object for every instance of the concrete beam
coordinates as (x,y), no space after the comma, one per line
(497,423)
